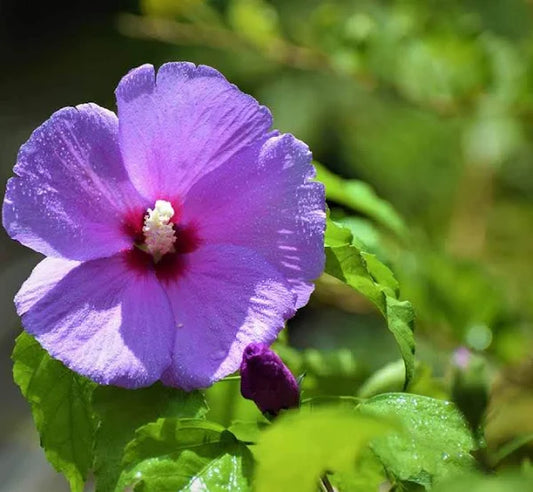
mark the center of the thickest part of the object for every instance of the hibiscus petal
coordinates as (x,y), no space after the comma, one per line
(71,190)
(263,199)
(181,124)
(100,319)
(226,298)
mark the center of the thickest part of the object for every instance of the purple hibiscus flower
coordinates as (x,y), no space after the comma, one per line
(175,234)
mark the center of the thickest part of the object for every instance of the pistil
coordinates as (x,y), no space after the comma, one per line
(158,230)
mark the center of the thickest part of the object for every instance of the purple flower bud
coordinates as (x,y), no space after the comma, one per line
(267,381)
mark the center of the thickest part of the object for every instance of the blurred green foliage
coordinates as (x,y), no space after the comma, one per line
(429,103)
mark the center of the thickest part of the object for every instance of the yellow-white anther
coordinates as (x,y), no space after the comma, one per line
(158,230)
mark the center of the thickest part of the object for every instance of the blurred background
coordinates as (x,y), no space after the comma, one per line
(429,102)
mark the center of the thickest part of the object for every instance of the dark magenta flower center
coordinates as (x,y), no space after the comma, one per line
(159,241)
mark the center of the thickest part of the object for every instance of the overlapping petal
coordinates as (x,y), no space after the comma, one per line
(227,298)
(100,318)
(264,199)
(182,123)
(71,190)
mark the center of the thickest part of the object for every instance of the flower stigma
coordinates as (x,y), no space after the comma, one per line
(159,232)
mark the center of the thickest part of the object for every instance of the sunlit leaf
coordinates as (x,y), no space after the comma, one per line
(247,430)
(507,482)
(365,273)
(298,448)
(366,475)
(435,440)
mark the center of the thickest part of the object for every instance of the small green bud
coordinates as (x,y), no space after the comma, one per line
(470,387)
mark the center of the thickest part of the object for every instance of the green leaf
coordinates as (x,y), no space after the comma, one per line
(60,404)
(400,317)
(360,197)
(363,272)
(345,402)
(506,482)
(248,430)
(434,442)
(337,235)
(390,378)
(226,403)
(347,264)
(365,231)
(122,411)
(510,447)
(381,274)
(367,475)
(299,447)
(189,454)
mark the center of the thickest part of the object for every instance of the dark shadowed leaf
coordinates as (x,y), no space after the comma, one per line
(60,404)
(172,455)
(360,197)
(122,411)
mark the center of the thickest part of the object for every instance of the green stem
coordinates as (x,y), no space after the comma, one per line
(510,448)
(326,484)
(229,406)
(231,378)
(355,399)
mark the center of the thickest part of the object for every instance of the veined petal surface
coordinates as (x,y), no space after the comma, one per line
(71,191)
(264,200)
(100,318)
(227,298)
(182,123)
